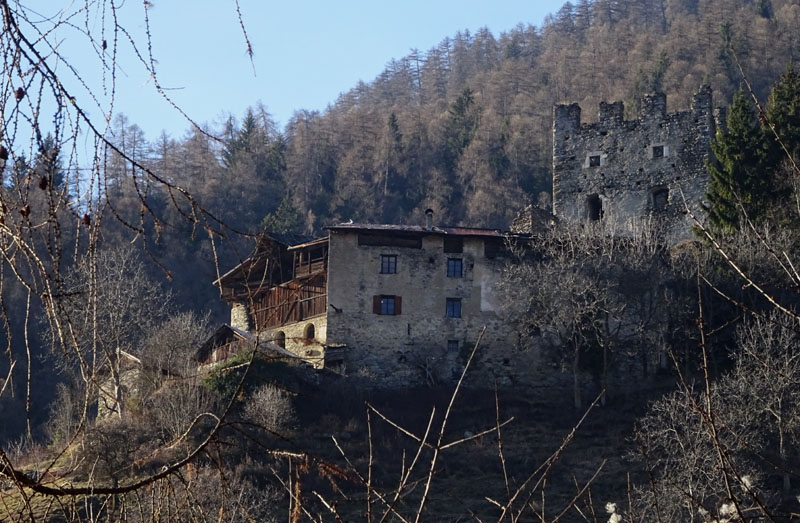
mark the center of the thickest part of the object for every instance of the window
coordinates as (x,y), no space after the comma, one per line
(594,160)
(393,239)
(494,248)
(386,305)
(280,339)
(660,198)
(453,245)
(452,345)
(309,333)
(453,308)
(454,267)
(594,208)
(388,264)
(658,151)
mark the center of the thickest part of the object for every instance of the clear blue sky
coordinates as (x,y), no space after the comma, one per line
(305,53)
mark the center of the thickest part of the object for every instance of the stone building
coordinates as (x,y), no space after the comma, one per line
(623,172)
(278,294)
(401,303)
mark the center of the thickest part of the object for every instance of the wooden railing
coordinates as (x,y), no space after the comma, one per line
(291,302)
(223,352)
(310,268)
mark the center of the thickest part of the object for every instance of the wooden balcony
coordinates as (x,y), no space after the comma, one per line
(292,301)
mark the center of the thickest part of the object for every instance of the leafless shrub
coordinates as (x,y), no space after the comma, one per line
(112,449)
(174,407)
(270,408)
(680,455)
(704,451)
(764,388)
(168,347)
(66,413)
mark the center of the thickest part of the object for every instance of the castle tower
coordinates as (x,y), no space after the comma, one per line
(626,172)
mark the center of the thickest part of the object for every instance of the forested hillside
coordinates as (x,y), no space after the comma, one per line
(465,127)
(106,270)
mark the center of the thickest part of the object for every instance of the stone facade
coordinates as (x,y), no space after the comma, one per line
(240,316)
(403,305)
(623,172)
(131,376)
(441,301)
(306,339)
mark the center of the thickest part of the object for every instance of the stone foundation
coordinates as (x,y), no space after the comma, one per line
(298,339)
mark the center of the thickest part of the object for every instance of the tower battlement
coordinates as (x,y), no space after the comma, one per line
(627,171)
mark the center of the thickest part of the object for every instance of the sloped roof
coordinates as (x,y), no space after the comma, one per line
(287,240)
(224,334)
(419,229)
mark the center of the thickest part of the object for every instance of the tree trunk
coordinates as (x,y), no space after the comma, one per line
(576,381)
(604,378)
(115,374)
(787,483)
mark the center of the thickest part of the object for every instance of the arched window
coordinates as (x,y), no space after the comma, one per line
(280,339)
(310,333)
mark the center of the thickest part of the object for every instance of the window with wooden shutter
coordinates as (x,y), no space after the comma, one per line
(376,304)
(387,305)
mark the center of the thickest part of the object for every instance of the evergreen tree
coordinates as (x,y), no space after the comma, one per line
(739,180)
(764,8)
(285,219)
(783,113)
(461,125)
(48,162)
(19,170)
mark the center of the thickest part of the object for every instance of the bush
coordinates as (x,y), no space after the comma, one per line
(270,408)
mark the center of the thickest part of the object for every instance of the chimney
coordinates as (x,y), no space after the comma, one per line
(429,219)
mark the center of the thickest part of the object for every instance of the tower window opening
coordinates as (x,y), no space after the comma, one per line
(594,208)
(660,197)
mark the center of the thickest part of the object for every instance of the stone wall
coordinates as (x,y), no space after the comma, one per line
(240,317)
(627,171)
(130,380)
(417,345)
(297,339)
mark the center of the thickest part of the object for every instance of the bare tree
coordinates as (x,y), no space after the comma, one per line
(110,304)
(590,296)
(167,348)
(765,387)
(679,451)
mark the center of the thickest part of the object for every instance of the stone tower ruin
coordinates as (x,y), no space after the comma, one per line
(626,172)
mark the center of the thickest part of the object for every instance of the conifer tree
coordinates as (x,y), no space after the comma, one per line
(783,113)
(739,180)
